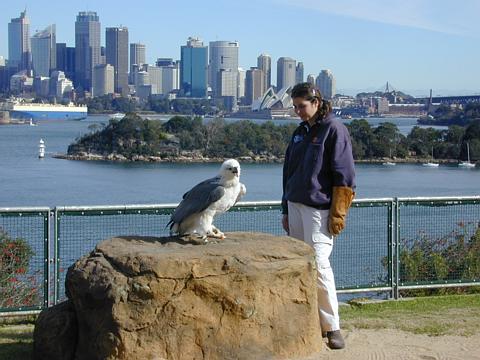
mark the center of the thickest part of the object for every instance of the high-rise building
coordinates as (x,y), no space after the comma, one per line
(311,79)
(223,58)
(286,72)
(254,85)
(103,81)
(299,73)
(44,51)
(137,57)
(87,48)
(164,62)
(155,78)
(193,68)
(170,78)
(19,53)
(61,52)
(60,86)
(117,56)
(264,63)
(326,84)
(242,74)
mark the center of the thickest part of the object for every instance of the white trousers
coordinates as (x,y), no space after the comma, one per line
(311,225)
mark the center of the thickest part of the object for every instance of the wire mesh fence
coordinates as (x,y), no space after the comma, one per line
(388,244)
(439,241)
(24,264)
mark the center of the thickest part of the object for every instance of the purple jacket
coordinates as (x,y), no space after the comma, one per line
(317,158)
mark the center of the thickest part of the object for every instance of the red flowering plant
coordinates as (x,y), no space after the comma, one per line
(17,287)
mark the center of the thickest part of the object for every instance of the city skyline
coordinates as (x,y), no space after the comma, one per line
(414,45)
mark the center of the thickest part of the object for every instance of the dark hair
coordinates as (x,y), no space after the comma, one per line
(309,92)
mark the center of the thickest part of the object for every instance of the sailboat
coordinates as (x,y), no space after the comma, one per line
(467,164)
(431,163)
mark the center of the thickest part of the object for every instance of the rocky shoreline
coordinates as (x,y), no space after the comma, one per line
(197,158)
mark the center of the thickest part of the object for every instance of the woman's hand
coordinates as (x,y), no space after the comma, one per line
(285,223)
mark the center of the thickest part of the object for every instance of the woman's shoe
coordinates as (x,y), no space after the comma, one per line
(335,340)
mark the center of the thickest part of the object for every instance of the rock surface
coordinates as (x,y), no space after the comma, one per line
(55,333)
(251,296)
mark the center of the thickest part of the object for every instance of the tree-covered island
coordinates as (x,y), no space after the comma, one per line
(191,139)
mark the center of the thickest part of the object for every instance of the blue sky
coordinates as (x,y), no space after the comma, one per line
(414,44)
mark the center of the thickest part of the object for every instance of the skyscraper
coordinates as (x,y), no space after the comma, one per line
(299,73)
(44,50)
(254,85)
(19,53)
(286,72)
(193,68)
(311,79)
(241,83)
(137,57)
(103,80)
(117,56)
(223,58)
(326,84)
(87,48)
(264,63)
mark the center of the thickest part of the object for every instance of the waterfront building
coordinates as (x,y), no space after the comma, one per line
(60,86)
(299,73)
(254,85)
(21,82)
(325,82)
(193,68)
(264,63)
(311,79)
(19,53)
(117,56)
(44,51)
(227,88)
(87,48)
(103,80)
(286,72)
(223,68)
(137,57)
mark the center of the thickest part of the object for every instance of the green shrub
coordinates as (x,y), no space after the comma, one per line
(17,286)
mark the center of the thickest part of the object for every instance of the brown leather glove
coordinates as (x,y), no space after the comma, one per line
(342,198)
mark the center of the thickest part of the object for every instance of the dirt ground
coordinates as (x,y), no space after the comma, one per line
(396,344)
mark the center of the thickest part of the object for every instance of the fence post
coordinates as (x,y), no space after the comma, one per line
(55,257)
(396,249)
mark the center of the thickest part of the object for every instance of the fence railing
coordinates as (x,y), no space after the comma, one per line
(389,244)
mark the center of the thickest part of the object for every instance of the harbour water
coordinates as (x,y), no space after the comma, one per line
(27,180)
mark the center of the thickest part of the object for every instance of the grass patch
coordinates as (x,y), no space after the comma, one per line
(16,341)
(434,315)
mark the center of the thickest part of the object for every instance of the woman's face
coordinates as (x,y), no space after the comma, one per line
(305,109)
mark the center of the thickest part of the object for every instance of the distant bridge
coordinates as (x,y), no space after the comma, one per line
(452,100)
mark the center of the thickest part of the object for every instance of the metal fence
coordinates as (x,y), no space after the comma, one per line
(389,245)
(24,259)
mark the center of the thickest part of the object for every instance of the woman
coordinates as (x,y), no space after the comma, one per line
(318,183)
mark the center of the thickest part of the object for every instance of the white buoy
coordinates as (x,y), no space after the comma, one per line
(41,149)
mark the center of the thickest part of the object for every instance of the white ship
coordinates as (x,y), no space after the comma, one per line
(38,111)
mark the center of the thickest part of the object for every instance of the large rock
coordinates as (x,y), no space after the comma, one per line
(55,334)
(251,296)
